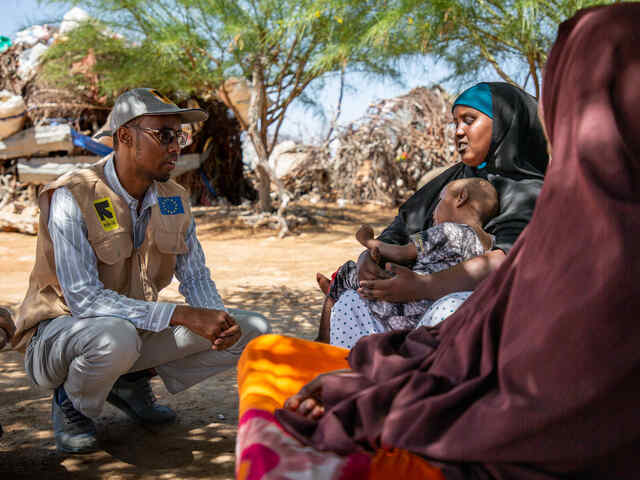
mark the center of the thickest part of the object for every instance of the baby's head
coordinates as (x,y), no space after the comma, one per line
(467,198)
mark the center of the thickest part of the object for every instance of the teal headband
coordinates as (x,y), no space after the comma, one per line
(478,97)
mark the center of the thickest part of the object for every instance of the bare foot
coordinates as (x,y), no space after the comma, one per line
(365,235)
(323,283)
(403,254)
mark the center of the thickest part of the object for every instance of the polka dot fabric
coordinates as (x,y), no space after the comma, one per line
(351,319)
(442,308)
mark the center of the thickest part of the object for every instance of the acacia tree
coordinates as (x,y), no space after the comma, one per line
(511,37)
(280,46)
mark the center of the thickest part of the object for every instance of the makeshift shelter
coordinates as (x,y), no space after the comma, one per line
(55,136)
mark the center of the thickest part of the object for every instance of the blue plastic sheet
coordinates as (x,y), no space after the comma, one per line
(207,183)
(88,143)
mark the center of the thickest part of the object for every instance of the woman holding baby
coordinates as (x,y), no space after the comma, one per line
(500,139)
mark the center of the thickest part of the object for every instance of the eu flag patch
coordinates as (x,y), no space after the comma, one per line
(170,205)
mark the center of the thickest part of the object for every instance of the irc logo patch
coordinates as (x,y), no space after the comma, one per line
(170,205)
(106,214)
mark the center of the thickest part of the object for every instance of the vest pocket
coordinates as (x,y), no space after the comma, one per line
(114,248)
(171,243)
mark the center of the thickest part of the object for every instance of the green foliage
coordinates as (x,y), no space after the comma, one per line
(192,45)
(120,64)
(511,37)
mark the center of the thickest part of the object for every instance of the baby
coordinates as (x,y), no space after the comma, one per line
(457,235)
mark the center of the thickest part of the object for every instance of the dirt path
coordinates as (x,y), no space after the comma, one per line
(254,271)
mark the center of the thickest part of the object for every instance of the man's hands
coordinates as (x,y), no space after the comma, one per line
(7,328)
(217,326)
(308,401)
(403,286)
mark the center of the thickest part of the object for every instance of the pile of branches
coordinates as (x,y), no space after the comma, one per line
(45,101)
(382,157)
(9,63)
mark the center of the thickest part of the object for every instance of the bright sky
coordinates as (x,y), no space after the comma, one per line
(16,14)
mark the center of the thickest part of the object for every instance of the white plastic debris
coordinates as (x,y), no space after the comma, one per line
(72,19)
(29,60)
(32,35)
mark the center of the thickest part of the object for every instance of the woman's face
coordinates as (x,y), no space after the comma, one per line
(473,134)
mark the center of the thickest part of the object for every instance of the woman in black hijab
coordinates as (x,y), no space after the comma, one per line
(499,138)
(515,165)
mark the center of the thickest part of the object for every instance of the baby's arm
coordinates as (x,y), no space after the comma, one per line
(403,254)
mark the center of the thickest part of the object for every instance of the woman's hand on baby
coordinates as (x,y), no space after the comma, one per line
(308,401)
(403,286)
(368,269)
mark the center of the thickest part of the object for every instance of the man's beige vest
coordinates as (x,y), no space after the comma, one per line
(136,273)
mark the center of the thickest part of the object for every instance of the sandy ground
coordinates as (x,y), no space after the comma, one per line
(254,270)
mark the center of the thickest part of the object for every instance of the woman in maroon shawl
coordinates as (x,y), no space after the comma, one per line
(537,375)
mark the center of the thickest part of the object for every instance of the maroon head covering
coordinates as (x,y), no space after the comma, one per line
(537,376)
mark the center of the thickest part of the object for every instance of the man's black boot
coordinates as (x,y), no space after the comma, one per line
(133,395)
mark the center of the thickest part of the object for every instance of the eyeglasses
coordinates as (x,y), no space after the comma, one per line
(166,135)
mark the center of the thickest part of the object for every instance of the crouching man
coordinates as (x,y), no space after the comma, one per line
(110,238)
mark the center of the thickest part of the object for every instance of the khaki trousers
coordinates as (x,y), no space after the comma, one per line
(88,355)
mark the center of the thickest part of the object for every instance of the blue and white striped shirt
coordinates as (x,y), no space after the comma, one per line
(78,269)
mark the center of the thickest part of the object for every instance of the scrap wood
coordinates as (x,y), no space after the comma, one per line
(37,141)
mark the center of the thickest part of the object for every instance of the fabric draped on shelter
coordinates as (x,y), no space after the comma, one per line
(536,376)
(515,165)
